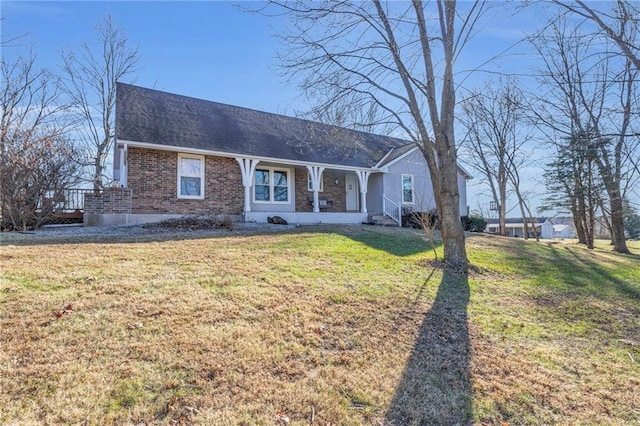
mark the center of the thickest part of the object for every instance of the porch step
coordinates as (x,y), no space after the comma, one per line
(382,220)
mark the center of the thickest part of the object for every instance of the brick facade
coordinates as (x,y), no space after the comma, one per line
(153,179)
(152,188)
(336,194)
(111,200)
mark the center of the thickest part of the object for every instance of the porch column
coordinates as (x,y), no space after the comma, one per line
(248,169)
(363,178)
(316,175)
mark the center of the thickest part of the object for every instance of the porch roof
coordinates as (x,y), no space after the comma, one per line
(172,121)
(515,221)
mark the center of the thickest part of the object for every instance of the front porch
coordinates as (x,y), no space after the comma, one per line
(311,194)
(308,218)
(303,193)
(238,188)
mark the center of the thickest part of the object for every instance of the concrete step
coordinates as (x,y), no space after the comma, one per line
(382,220)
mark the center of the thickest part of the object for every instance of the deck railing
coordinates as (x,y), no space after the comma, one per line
(67,200)
(64,207)
(392,209)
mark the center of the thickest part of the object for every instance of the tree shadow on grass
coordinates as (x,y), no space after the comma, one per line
(386,240)
(435,387)
(597,273)
(407,245)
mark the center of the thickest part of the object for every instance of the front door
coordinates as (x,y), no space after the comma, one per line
(351,184)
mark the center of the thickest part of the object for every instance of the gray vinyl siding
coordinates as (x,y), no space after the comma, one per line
(424,200)
(374,193)
(413,164)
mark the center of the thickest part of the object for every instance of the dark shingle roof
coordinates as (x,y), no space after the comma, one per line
(515,220)
(396,153)
(151,116)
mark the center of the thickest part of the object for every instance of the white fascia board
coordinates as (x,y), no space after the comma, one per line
(198,151)
(377,166)
(466,174)
(384,169)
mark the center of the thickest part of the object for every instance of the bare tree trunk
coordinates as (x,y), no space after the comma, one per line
(617,222)
(605,214)
(452,229)
(525,220)
(578,221)
(97,175)
(503,212)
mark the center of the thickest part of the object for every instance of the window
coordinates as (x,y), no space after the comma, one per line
(309,183)
(407,188)
(271,186)
(190,176)
(262,187)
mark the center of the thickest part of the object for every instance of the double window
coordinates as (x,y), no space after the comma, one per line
(190,176)
(407,189)
(271,186)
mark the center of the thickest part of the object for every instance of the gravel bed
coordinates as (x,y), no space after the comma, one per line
(130,232)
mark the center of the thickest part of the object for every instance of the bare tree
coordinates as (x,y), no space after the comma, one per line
(35,158)
(400,57)
(516,159)
(571,180)
(495,138)
(620,23)
(90,80)
(591,93)
(38,168)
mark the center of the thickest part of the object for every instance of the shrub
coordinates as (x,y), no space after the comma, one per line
(421,219)
(474,223)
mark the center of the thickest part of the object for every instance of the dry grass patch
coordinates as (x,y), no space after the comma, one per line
(335,325)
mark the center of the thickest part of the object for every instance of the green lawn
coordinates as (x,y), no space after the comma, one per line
(317,325)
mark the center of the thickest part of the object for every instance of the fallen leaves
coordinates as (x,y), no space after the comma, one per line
(319,330)
(145,314)
(66,310)
(135,326)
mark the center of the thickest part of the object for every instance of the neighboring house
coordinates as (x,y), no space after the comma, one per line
(564,227)
(176,156)
(547,228)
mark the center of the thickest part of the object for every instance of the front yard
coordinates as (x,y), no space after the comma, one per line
(315,325)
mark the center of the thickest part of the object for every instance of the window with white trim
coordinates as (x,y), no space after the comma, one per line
(310,187)
(407,188)
(190,176)
(271,186)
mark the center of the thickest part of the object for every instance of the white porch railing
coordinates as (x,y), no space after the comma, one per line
(392,209)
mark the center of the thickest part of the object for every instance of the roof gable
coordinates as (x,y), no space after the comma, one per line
(397,154)
(155,117)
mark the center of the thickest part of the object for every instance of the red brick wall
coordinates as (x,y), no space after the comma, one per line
(152,176)
(332,192)
(111,200)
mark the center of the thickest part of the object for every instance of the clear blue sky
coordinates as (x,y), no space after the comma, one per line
(212,50)
(209,50)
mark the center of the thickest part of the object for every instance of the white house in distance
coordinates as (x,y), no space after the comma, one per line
(547,228)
